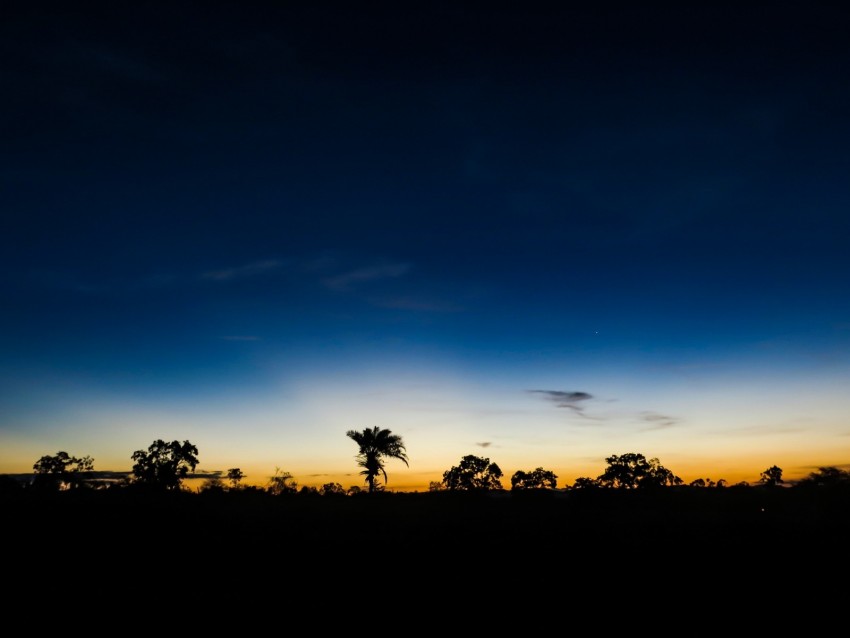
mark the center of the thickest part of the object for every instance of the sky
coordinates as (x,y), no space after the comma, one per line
(540,233)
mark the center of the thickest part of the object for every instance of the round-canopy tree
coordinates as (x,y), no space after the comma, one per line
(538,479)
(632,471)
(473,473)
(164,465)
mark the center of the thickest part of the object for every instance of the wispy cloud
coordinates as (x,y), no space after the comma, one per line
(484,444)
(567,399)
(417,304)
(72,282)
(205,474)
(242,272)
(321,263)
(657,421)
(377,272)
(761,430)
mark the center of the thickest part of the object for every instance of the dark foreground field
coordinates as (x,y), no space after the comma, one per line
(508,554)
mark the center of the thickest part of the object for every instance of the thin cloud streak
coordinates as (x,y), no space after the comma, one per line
(242,272)
(657,421)
(348,280)
(204,474)
(761,430)
(416,305)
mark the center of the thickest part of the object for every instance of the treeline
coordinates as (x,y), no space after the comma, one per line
(165,466)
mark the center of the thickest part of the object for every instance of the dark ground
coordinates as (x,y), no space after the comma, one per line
(512,556)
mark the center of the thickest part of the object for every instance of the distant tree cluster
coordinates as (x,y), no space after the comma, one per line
(627,471)
(62,471)
(707,482)
(828,476)
(631,471)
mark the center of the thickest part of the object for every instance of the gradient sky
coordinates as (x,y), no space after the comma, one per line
(543,235)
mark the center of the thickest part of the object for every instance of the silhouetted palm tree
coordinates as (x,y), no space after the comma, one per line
(375,445)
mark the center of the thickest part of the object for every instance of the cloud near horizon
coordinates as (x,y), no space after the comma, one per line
(769,429)
(203,474)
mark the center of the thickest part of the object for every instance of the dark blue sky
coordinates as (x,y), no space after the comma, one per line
(205,199)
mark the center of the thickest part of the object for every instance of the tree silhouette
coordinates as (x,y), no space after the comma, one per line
(375,445)
(61,470)
(164,465)
(332,489)
(826,477)
(474,473)
(707,482)
(631,471)
(538,479)
(585,482)
(282,483)
(212,484)
(772,476)
(234,475)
